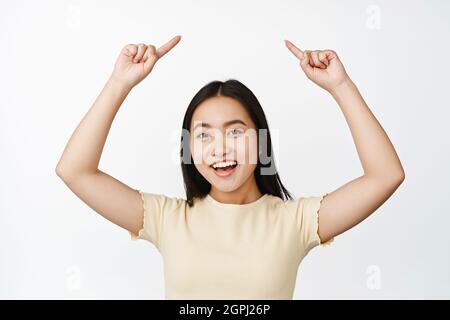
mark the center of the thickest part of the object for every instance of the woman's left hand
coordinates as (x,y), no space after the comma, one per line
(322,67)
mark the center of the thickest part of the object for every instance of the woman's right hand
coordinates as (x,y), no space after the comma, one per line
(135,62)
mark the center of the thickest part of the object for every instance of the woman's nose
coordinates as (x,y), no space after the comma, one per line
(221,146)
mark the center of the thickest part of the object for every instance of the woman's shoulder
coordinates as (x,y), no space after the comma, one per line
(162,201)
(293,203)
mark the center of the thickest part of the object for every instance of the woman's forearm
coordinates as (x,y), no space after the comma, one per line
(376,152)
(83,151)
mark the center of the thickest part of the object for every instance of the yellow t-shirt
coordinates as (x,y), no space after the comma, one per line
(215,250)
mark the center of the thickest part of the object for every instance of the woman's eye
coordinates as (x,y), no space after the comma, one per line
(201,135)
(235,131)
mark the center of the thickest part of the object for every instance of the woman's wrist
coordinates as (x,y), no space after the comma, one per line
(119,85)
(342,88)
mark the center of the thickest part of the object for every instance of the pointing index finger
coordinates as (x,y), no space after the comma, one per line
(161,51)
(296,51)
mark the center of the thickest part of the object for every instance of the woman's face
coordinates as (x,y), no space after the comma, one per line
(221,130)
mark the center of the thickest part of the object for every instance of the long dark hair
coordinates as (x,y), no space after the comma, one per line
(195,184)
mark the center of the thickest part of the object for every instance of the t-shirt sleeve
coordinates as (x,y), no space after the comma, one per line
(156,207)
(307,215)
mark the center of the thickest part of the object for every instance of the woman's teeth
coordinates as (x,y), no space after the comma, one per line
(225,168)
(224,164)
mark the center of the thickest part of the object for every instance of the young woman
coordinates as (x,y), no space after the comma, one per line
(239,234)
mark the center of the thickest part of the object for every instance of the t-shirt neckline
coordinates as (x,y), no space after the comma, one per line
(233,205)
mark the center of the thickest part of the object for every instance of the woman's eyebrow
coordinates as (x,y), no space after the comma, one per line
(225,124)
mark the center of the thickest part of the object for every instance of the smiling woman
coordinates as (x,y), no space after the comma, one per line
(228,109)
(239,234)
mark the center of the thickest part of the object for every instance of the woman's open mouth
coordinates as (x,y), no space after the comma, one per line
(225,170)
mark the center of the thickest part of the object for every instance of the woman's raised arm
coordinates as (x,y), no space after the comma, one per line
(354,201)
(78,165)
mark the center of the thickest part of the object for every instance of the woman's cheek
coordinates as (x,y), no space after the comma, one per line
(199,156)
(247,150)
(197,152)
(195,157)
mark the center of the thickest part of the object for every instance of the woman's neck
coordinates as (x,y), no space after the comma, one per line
(247,193)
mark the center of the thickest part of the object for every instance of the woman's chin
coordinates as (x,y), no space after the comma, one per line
(224,185)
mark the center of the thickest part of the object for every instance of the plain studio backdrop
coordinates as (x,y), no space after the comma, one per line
(56,56)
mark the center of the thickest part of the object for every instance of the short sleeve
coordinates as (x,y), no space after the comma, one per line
(306,213)
(155,208)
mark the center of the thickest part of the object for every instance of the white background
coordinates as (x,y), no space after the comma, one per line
(56,56)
